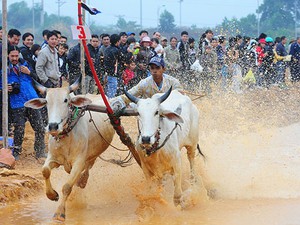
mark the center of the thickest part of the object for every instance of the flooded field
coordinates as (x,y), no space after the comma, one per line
(251,175)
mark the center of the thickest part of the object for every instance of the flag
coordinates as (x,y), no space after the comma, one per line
(91,10)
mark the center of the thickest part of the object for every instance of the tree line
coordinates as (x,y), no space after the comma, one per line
(276,18)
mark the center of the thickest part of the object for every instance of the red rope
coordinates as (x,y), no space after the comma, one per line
(114,120)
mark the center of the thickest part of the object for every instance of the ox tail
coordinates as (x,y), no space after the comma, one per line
(199,150)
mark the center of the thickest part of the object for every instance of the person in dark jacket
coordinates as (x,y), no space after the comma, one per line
(62,61)
(25,50)
(183,47)
(74,65)
(93,48)
(280,64)
(20,90)
(295,62)
(112,58)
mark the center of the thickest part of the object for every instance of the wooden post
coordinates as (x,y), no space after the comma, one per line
(4,76)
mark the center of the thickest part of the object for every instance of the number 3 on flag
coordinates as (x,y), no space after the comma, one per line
(80,32)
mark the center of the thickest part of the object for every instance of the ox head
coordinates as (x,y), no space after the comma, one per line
(149,115)
(57,101)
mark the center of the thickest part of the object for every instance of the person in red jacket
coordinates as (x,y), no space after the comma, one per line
(260,56)
(129,75)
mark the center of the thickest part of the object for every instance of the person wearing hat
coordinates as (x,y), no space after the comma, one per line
(164,42)
(130,34)
(158,82)
(143,57)
(268,62)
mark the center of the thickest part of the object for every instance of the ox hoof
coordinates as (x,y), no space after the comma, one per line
(59,217)
(53,196)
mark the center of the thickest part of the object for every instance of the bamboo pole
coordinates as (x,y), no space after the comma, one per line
(4,76)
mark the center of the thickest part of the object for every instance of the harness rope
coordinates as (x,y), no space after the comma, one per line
(155,147)
(123,162)
(73,117)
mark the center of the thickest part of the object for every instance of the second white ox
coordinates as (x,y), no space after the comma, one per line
(161,137)
(75,146)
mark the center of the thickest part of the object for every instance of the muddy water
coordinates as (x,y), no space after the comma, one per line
(251,173)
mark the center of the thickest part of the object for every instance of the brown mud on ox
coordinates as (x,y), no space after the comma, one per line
(167,123)
(73,143)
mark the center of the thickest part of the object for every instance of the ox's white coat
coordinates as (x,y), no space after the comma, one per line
(78,151)
(168,158)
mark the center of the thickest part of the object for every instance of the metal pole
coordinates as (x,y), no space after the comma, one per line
(141,13)
(258,19)
(296,19)
(82,58)
(180,1)
(33,23)
(42,13)
(4,76)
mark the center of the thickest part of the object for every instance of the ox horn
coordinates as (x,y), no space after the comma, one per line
(75,85)
(131,97)
(165,96)
(39,87)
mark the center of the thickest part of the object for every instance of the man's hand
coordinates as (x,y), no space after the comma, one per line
(25,70)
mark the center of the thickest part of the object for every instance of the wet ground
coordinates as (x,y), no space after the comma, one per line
(251,172)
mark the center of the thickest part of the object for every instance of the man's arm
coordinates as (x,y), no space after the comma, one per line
(40,65)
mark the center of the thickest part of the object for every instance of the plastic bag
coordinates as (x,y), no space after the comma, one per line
(196,66)
(287,58)
(6,158)
(249,78)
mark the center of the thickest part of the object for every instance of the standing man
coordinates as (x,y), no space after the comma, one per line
(295,63)
(280,64)
(111,65)
(123,42)
(206,42)
(183,47)
(20,90)
(47,63)
(93,47)
(13,37)
(26,48)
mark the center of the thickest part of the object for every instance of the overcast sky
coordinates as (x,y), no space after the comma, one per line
(202,13)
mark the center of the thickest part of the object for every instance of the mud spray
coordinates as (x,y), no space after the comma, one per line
(251,174)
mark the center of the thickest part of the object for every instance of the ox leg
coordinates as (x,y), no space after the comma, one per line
(191,157)
(46,171)
(177,182)
(83,178)
(67,188)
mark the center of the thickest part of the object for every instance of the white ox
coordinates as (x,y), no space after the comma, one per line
(160,139)
(76,151)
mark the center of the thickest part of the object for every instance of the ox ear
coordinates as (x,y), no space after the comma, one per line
(80,101)
(172,116)
(36,103)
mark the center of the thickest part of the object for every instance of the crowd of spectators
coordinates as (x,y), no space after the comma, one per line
(121,60)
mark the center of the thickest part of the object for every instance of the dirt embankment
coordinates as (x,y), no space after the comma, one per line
(26,179)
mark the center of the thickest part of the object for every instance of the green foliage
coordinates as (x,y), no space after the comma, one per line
(123,25)
(166,22)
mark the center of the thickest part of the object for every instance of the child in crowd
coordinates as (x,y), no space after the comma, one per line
(129,77)
(62,61)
